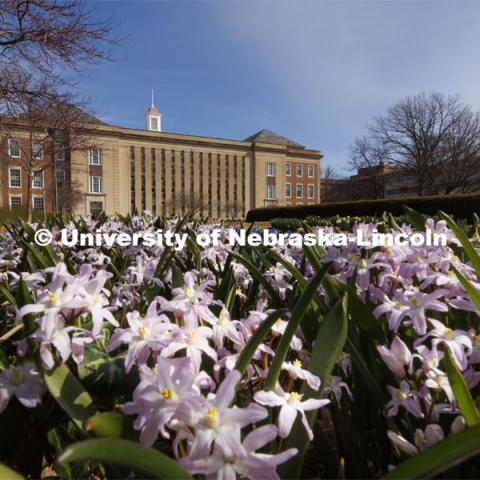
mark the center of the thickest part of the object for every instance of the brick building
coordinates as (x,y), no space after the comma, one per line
(166,173)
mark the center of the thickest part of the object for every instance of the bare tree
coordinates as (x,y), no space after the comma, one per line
(369,158)
(432,139)
(41,38)
(44,129)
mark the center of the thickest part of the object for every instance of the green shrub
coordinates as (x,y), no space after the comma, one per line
(461,206)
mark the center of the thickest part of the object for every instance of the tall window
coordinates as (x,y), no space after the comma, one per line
(311,191)
(219,211)
(299,170)
(288,190)
(15,201)
(15,177)
(14,148)
(227,185)
(192,180)
(288,169)
(271,192)
(95,184)
(200,187)
(59,152)
(38,204)
(154,123)
(164,183)
(95,156)
(143,185)
(182,179)
(37,150)
(60,178)
(299,190)
(172,180)
(210,211)
(311,171)
(235,185)
(153,168)
(133,201)
(243,188)
(37,179)
(270,169)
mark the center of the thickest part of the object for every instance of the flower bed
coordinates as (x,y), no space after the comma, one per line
(247,363)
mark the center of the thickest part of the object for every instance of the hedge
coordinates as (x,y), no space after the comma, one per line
(461,206)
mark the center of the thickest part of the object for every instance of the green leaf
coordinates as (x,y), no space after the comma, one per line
(111,425)
(301,307)
(255,273)
(328,345)
(415,218)
(440,457)
(464,240)
(462,394)
(473,293)
(360,312)
(70,394)
(256,339)
(147,462)
(7,295)
(6,473)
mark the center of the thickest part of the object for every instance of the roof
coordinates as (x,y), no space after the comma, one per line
(153,109)
(267,136)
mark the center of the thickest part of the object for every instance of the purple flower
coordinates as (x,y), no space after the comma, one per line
(23,382)
(291,404)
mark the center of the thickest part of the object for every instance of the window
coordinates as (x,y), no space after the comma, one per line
(15,201)
(288,169)
(270,169)
(154,123)
(60,176)
(37,179)
(95,156)
(14,148)
(288,190)
(299,190)
(60,153)
(311,191)
(132,180)
(271,192)
(37,150)
(96,208)
(95,184)
(15,177)
(311,171)
(299,170)
(38,204)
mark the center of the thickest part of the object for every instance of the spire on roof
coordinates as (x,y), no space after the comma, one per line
(153,118)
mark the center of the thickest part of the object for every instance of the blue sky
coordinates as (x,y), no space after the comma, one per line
(314,71)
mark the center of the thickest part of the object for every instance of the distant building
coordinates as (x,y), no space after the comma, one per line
(166,173)
(369,183)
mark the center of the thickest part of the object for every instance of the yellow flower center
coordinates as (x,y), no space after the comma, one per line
(293,398)
(415,302)
(400,394)
(222,319)
(389,251)
(142,331)
(211,417)
(297,363)
(193,337)
(397,306)
(363,263)
(52,298)
(167,393)
(96,299)
(16,376)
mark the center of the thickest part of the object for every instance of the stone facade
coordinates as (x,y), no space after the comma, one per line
(168,173)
